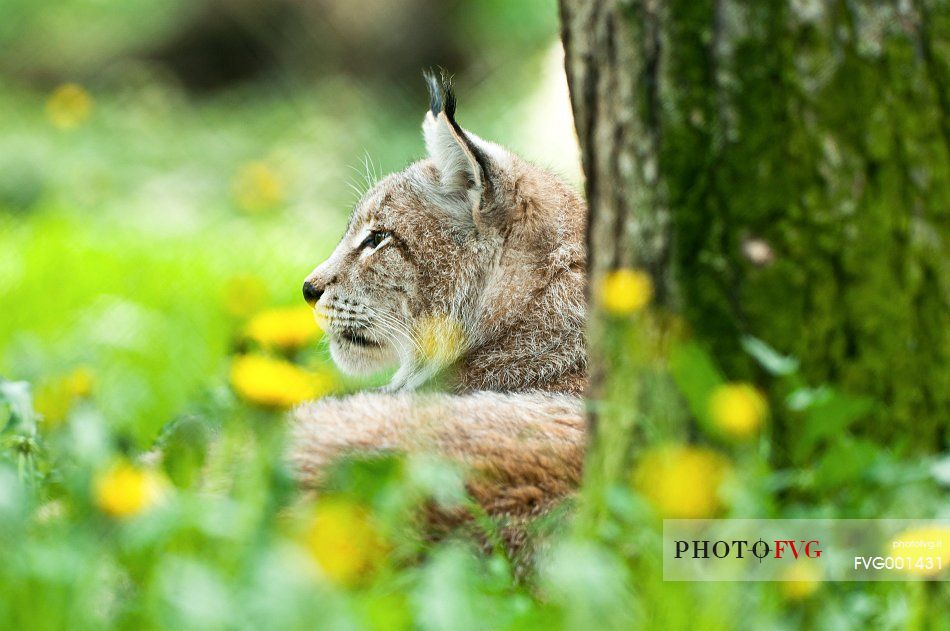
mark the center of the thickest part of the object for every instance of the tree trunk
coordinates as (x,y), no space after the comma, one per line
(782,170)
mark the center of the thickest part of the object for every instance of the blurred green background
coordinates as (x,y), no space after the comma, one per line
(170,171)
(218,140)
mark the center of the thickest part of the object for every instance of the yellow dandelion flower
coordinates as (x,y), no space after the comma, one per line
(68,106)
(286,328)
(682,482)
(925,551)
(738,409)
(258,188)
(625,291)
(441,338)
(800,580)
(274,383)
(244,295)
(55,398)
(79,382)
(125,490)
(344,542)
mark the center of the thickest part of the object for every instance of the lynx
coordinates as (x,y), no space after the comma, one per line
(465,269)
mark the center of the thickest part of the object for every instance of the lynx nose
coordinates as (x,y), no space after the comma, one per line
(311,292)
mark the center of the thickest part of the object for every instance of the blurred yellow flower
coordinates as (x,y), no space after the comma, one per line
(125,490)
(682,482)
(68,106)
(441,338)
(258,187)
(926,551)
(800,580)
(55,398)
(286,328)
(275,383)
(344,541)
(79,382)
(625,291)
(53,402)
(738,409)
(244,295)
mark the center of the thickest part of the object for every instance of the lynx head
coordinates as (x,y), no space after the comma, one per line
(436,255)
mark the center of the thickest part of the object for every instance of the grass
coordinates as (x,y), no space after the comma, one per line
(124,245)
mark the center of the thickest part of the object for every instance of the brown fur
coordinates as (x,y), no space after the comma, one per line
(486,251)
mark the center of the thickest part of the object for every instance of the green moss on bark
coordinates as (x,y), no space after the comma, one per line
(822,136)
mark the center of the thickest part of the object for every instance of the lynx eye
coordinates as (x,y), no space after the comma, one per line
(375,238)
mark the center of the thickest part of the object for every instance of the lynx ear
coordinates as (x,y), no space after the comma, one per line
(463,166)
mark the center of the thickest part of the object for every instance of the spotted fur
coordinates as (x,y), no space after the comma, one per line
(467,268)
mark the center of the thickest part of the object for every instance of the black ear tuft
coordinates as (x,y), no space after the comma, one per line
(441,96)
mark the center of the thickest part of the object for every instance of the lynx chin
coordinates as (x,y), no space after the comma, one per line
(466,268)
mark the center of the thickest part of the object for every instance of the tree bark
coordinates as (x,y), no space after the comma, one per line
(782,170)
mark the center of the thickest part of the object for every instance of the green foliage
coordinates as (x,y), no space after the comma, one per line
(820,132)
(77,27)
(696,376)
(119,243)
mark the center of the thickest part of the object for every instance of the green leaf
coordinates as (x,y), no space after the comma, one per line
(940,470)
(769,358)
(829,417)
(184,447)
(845,462)
(366,477)
(801,399)
(17,395)
(696,376)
